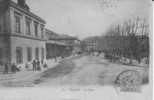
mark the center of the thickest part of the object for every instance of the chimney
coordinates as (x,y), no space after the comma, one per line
(23,4)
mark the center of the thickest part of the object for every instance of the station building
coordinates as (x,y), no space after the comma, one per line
(22,33)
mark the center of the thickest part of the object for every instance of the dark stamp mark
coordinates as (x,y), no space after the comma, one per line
(129,81)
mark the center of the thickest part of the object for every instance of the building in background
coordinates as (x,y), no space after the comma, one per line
(22,34)
(60,45)
(91,44)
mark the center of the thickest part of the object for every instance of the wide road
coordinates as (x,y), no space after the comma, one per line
(86,70)
(82,71)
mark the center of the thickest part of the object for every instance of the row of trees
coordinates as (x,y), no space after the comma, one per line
(129,39)
(135,26)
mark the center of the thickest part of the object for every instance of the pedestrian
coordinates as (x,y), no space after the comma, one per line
(14,68)
(45,65)
(34,65)
(42,61)
(26,66)
(38,66)
(6,68)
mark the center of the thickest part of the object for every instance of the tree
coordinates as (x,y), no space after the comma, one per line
(129,37)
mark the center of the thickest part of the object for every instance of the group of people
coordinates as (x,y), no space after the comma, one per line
(13,69)
(36,65)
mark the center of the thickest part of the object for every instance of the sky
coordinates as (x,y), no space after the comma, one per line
(83,18)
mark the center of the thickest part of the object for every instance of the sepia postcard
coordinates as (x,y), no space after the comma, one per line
(76,49)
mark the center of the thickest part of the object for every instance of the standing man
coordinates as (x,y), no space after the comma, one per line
(34,65)
(14,68)
(38,65)
(6,68)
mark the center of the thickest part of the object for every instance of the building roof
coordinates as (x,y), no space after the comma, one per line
(15,5)
(56,42)
(55,36)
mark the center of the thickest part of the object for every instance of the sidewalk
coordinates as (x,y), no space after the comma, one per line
(29,75)
(25,74)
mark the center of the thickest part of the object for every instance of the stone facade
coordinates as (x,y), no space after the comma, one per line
(22,34)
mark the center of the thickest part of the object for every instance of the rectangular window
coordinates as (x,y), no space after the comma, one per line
(5,24)
(29,54)
(19,55)
(0,27)
(17,24)
(1,24)
(1,53)
(42,31)
(28,26)
(36,29)
(42,54)
(37,53)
